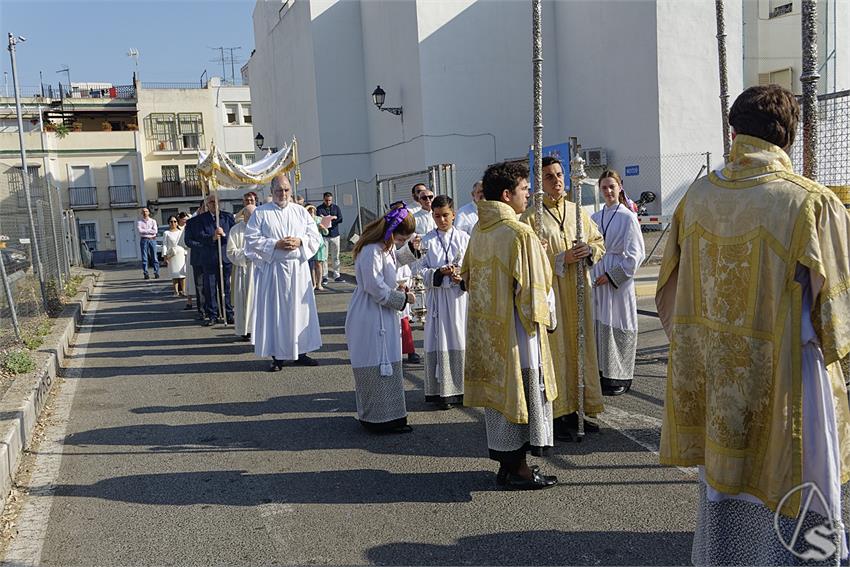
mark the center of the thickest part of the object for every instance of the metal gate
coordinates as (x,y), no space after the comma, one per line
(390,189)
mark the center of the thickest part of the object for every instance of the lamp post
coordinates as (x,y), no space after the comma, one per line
(378,97)
(13,41)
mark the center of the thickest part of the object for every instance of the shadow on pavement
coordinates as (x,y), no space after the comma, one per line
(544,547)
(238,488)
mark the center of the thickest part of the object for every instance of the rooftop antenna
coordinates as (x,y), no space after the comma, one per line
(134,53)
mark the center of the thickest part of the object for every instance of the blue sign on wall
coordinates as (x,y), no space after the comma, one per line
(632,170)
(560,151)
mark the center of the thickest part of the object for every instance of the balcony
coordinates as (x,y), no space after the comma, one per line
(83,197)
(122,196)
(184,143)
(178,189)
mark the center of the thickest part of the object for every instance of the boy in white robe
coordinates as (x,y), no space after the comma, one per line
(446,300)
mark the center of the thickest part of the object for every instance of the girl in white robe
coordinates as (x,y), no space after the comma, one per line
(372,327)
(615,303)
(446,301)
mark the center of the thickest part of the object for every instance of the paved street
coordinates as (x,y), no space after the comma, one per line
(170,445)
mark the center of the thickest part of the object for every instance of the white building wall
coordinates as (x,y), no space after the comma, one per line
(776,43)
(283,85)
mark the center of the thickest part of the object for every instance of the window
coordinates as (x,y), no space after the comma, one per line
(161,131)
(246,114)
(782,77)
(191,129)
(167,213)
(191,173)
(171,173)
(237,158)
(231,112)
(88,233)
(780,8)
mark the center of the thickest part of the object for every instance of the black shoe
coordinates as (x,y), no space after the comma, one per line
(246,338)
(502,475)
(147,277)
(615,387)
(400,429)
(304,360)
(536,482)
(324,281)
(571,421)
(208,323)
(156,276)
(230,321)
(276,366)
(339,279)
(561,431)
(414,358)
(188,308)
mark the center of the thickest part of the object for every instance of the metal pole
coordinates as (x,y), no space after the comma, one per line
(537,70)
(49,192)
(357,199)
(13,40)
(809,80)
(724,80)
(577,175)
(10,300)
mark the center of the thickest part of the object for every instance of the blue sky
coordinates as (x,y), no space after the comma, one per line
(93,37)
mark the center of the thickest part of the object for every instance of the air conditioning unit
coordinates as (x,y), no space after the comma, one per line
(594,157)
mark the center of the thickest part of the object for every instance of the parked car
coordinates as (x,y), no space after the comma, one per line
(15,260)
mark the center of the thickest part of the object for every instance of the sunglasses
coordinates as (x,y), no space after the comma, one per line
(429,197)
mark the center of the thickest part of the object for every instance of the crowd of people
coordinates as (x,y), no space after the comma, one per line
(754,293)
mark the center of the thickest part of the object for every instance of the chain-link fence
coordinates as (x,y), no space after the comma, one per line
(833,147)
(356,200)
(36,264)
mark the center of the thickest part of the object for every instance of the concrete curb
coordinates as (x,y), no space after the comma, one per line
(23,402)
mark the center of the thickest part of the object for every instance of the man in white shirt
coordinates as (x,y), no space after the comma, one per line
(424,220)
(414,207)
(146,226)
(467,215)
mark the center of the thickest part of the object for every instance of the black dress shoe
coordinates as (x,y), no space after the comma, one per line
(230,320)
(615,387)
(304,360)
(401,429)
(276,365)
(502,475)
(208,323)
(536,482)
(147,277)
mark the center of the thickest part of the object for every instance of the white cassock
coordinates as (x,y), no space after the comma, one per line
(445,326)
(286,322)
(424,222)
(615,304)
(467,217)
(241,280)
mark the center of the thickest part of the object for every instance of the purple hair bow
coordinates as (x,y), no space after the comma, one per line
(394,218)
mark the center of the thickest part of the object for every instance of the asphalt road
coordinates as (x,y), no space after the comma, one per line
(170,445)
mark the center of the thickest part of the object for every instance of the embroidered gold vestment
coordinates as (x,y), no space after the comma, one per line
(504,268)
(728,299)
(559,231)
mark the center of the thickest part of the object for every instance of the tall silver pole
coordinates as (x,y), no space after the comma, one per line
(577,175)
(13,40)
(809,80)
(724,80)
(537,70)
(357,198)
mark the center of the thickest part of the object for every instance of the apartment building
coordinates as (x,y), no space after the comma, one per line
(109,150)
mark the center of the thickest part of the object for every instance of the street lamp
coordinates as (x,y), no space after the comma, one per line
(13,41)
(258,139)
(378,97)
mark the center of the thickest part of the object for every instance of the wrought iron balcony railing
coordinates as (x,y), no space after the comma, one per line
(122,196)
(82,197)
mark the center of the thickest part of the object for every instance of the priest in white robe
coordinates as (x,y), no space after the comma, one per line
(280,238)
(242,276)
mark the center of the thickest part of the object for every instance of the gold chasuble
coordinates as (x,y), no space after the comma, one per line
(504,268)
(729,302)
(559,230)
